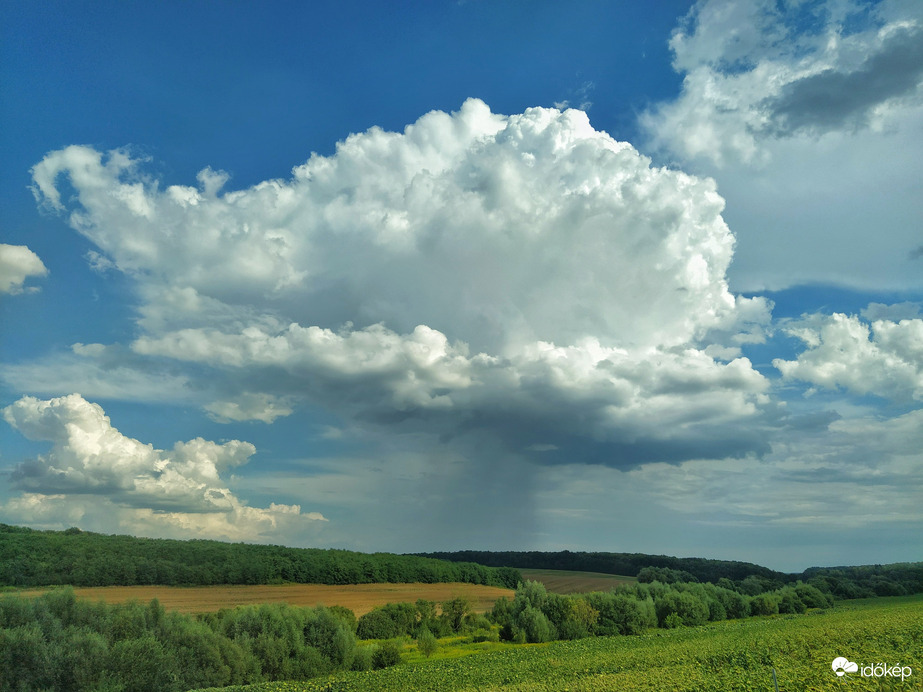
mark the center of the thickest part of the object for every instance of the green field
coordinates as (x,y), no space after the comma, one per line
(725,656)
(568,581)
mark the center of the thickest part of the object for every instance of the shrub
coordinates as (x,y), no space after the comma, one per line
(672,621)
(765,604)
(535,625)
(377,624)
(477,621)
(454,612)
(735,604)
(691,610)
(347,616)
(812,597)
(426,643)
(388,653)
(789,601)
(363,658)
(330,636)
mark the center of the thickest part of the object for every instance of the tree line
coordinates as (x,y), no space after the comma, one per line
(864,581)
(534,615)
(80,558)
(625,564)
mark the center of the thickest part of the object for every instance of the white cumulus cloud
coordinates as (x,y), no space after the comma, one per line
(884,358)
(92,467)
(18,263)
(808,115)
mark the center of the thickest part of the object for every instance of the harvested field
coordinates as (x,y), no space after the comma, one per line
(360,598)
(565,582)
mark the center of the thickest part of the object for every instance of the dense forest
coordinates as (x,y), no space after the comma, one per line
(625,564)
(41,558)
(840,582)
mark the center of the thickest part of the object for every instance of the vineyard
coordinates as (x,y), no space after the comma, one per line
(731,655)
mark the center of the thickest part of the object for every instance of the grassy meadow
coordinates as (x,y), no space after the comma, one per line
(726,656)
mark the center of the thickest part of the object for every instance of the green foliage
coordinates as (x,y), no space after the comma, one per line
(719,657)
(57,642)
(736,605)
(454,612)
(765,604)
(614,563)
(426,642)
(620,613)
(687,609)
(665,575)
(388,653)
(26,661)
(363,658)
(812,597)
(346,616)
(535,625)
(388,621)
(83,558)
(141,665)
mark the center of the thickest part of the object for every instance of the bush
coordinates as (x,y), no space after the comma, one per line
(672,621)
(363,658)
(388,653)
(536,627)
(345,615)
(426,643)
(330,636)
(692,611)
(377,624)
(736,605)
(454,612)
(789,601)
(630,615)
(812,597)
(477,622)
(765,604)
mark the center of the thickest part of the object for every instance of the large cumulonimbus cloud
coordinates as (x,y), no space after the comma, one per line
(175,490)
(525,277)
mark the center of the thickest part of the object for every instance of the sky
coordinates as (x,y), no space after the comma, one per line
(621,276)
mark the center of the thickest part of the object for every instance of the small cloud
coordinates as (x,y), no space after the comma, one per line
(331,432)
(542,448)
(17,263)
(99,263)
(249,406)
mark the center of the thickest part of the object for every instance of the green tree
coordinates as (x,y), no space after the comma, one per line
(426,642)
(536,627)
(388,653)
(454,612)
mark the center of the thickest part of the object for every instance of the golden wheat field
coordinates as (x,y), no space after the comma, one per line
(360,598)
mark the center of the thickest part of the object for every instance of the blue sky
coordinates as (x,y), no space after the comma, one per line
(615,276)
